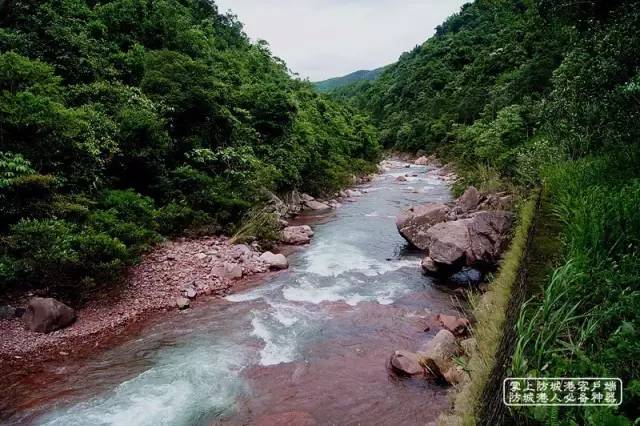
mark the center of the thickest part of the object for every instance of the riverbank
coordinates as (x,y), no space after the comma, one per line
(198,270)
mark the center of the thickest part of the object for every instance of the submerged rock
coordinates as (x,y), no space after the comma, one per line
(45,315)
(406,363)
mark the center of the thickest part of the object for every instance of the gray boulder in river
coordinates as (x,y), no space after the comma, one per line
(45,315)
(416,221)
(477,241)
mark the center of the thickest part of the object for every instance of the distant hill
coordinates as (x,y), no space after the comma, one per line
(336,82)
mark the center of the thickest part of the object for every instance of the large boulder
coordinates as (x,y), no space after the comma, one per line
(275,261)
(437,355)
(489,236)
(477,241)
(448,242)
(45,315)
(414,223)
(406,363)
(296,235)
(469,200)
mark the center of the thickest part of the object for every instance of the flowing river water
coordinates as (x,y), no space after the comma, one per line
(313,341)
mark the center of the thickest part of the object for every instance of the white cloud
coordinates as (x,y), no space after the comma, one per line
(320,39)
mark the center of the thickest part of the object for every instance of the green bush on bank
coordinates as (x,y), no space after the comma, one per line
(125,121)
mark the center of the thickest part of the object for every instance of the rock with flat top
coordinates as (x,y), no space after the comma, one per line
(414,223)
(275,261)
(316,205)
(306,197)
(353,193)
(45,314)
(406,363)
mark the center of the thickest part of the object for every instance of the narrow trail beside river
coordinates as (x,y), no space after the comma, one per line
(308,346)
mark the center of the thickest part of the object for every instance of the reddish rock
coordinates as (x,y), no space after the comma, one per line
(437,355)
(45,315)
(232,270)
(457,326)
(469,200)
(406,363)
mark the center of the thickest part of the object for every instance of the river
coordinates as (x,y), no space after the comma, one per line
(313,341)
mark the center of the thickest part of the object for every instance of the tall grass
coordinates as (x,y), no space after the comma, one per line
(259,224)
(586,321)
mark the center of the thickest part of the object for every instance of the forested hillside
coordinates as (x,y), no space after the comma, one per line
(337,82)
(126,121)
(520,94)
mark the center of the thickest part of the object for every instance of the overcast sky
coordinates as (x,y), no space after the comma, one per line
(320,39)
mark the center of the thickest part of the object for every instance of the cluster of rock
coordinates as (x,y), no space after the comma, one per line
(436,360)
(294,204)
(471,232)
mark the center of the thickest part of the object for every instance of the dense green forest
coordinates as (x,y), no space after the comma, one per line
(125,121)
(354,77)
(527,93)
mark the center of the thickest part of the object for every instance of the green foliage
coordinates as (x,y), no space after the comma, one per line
(126,120)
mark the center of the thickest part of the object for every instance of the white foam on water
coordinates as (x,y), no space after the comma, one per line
(185,384)
(332,259)
(279,347)
(254,293)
